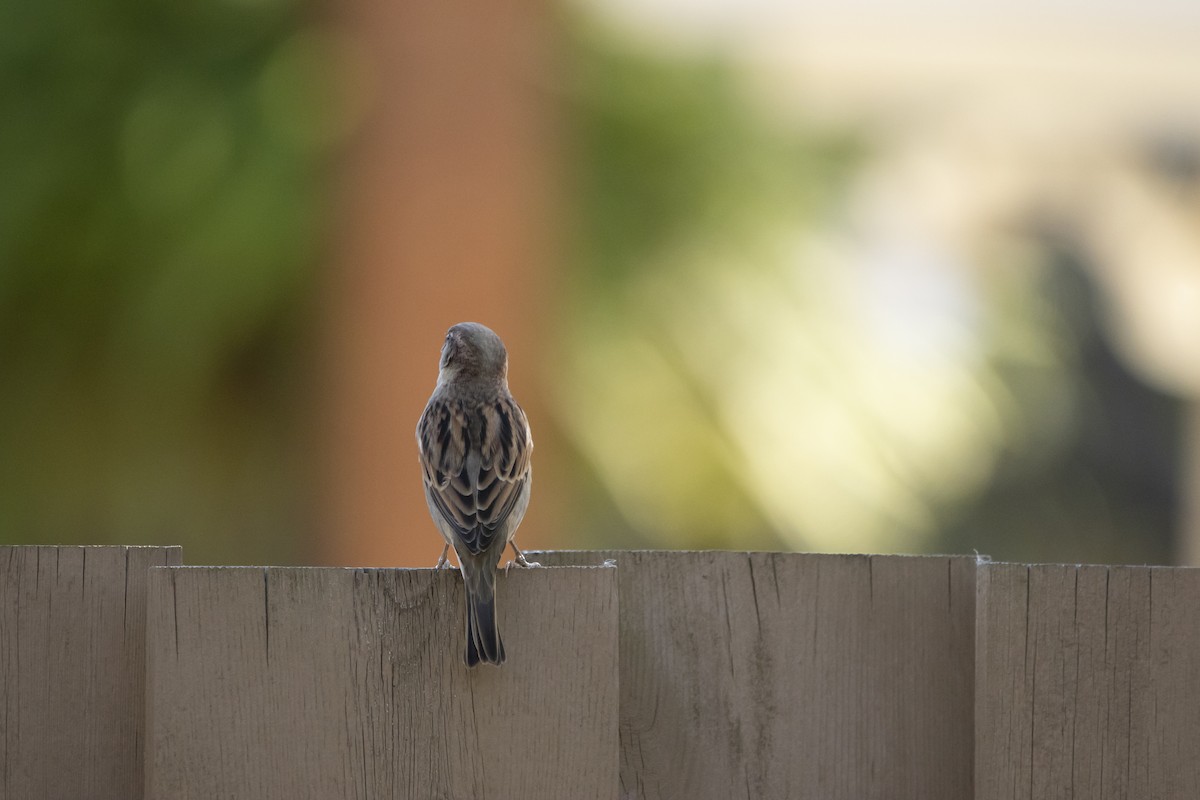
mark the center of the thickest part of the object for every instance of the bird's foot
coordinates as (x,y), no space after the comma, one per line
(522,561)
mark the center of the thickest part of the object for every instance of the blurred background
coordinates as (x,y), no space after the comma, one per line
(855,276)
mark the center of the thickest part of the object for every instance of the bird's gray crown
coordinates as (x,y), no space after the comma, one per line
(473,352)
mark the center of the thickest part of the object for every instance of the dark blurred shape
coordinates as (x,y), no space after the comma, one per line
(1174,156)
(1109,491)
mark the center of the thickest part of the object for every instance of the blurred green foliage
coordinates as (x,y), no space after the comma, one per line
(160,220)
(670,164)
(664,148)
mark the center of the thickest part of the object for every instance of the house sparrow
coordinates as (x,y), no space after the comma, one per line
(474,449)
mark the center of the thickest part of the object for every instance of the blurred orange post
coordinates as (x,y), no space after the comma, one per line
(443,219)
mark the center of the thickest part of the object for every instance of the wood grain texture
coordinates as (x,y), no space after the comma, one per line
(335,683)
(1087,679)
(768,675)
(72,665)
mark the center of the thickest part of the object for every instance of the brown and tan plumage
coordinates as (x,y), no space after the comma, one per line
(475,448)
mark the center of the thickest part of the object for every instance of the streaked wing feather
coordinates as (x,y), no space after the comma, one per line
(474,505)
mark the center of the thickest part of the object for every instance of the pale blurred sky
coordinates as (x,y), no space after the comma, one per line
(1138,58)
(722,17)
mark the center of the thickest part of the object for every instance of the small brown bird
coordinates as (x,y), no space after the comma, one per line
(475,446)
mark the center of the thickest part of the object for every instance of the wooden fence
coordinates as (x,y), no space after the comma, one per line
(672,675)
(72,670)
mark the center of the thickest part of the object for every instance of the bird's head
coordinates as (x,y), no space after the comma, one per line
(473,353)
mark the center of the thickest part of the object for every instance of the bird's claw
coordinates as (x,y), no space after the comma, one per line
(443,561)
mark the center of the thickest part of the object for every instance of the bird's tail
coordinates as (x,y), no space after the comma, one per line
(483,635)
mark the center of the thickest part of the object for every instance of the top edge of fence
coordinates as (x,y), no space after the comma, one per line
(979,559)
(91,546)
(647,551)
(1085,565)
(311,568)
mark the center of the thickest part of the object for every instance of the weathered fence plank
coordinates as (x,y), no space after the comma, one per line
(1087,682)
(72,663)
(788,675)
(293,683)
